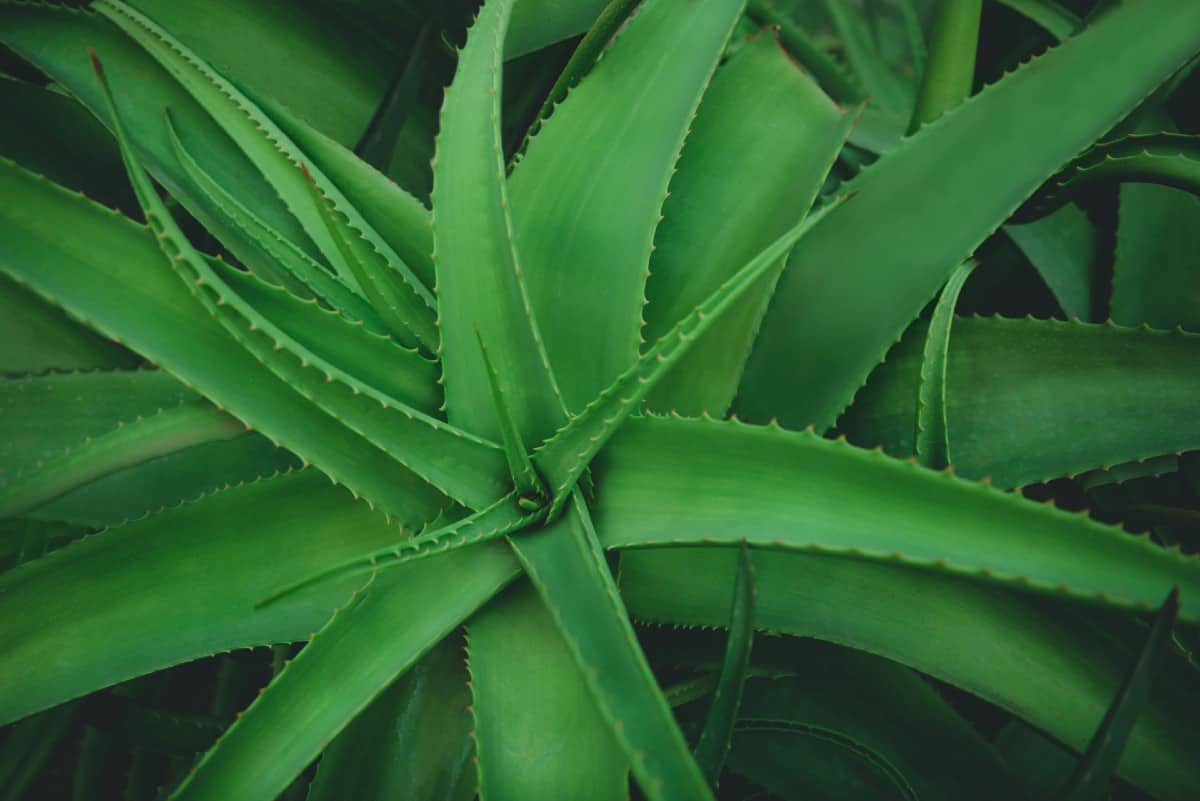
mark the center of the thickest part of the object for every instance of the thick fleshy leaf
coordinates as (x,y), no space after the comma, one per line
(950,73)
(337,83)
(760,102)
(415,737)
(59,139)
(1167,159)
(931,201)
(42,416)
(932,437)
(55,40)
(564,457)
(161,434)
(538,23)
(397,215)
(177,586)
(37,337)
(1013,387)
(565,564)
(1154,272)
(278,158)
(712,747)
(1062,247)
(585,227)
(481,291)
(362,649)
(111,274)
(818,495)
(1092,779)
(538,733)
(1040,663)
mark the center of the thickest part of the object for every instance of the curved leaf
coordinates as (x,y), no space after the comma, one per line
(1033,660)
(677,481)
(931,201)
(584,228)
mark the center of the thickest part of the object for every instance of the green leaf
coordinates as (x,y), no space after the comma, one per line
(585,226)
(933,433)
(1013,387)
(759,102)
(1038,662)
(415,737)
(538,23)
(840,85)
(525,478)
(35,337)
(565,564)
(950,74)
(884,707)
(713,746)
(1093,777)
(448,458)
(1062,247)
(277,157)
(503,517)
(370,273)
(881,84)
(397,215)
(161,434)
(1154,270)
(325,65)
(361,650)
(169,481)
(678,481)
(110,273)
(563,458)
(593,44)
(59,139)
(797,761)
(49,37)
(42,416)
(931,201)
(538,733)
(273,256)
(370,359)
(177,586)
(480,281)
(1167,159)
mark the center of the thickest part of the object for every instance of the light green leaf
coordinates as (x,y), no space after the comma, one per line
(110,273)
(933,434)
(585,226)
(361,650)
(759,102)
(480,282)
(566,566)
(813,494)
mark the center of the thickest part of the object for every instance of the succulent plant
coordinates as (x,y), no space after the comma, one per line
(665,333)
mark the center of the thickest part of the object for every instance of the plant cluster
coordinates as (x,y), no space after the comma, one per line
(532,400)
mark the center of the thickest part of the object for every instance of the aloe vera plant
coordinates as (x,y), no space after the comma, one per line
(406,389)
